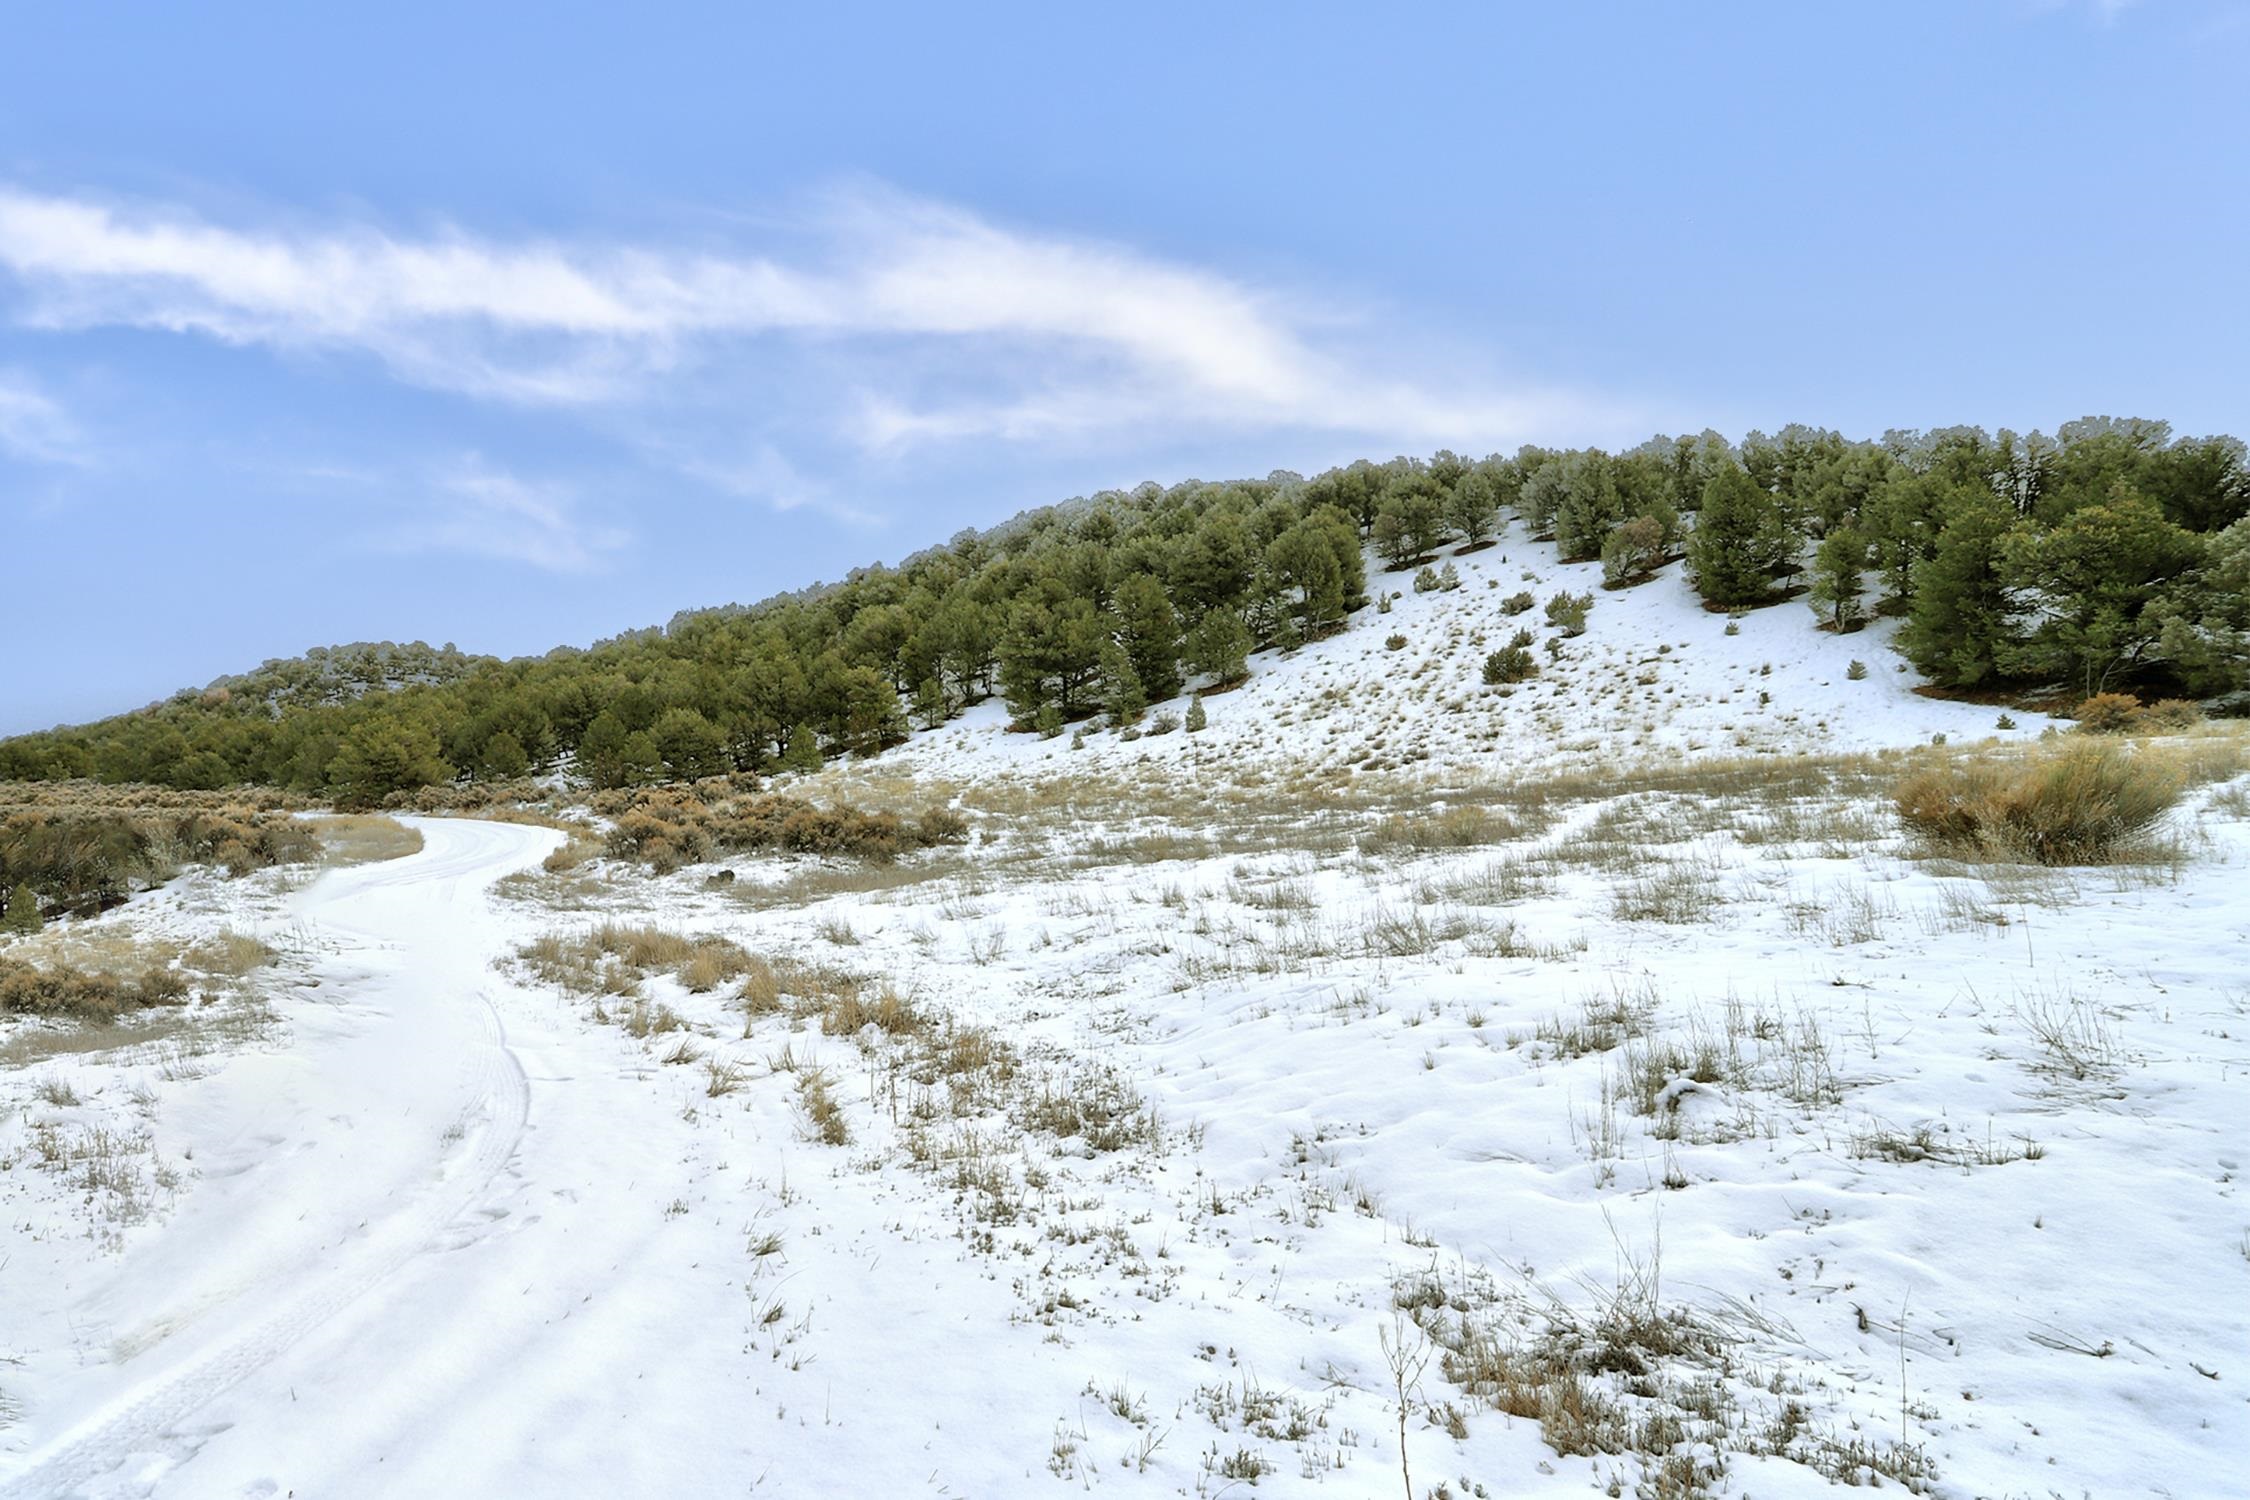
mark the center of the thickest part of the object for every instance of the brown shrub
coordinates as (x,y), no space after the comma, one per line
(26,989)
(2109,713)
(667,827)
(88,856)
(2172,714)
(474,796)
(2084,805)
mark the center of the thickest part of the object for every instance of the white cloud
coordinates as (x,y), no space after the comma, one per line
(766,475)
(33,427)
(1038,336)
(488,512)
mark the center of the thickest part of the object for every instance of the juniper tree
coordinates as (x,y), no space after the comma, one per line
(1633,551)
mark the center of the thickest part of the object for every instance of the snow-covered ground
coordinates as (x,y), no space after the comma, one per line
(1194,1114)
(1655,675)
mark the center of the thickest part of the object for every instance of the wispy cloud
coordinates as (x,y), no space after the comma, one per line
(478,509)
(934,324)
(765,475)
(33,427)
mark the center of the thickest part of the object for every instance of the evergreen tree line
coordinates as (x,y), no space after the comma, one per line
(2109,555)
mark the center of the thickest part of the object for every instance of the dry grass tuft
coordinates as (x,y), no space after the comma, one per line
(364,838)
(230,953)
(823,1111)
(612,959)
(1460,826)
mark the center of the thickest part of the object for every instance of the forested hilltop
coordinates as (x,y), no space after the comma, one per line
(2110,556)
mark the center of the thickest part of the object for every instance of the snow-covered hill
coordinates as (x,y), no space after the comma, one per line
(1655,676)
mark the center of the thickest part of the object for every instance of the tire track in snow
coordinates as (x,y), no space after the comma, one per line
(145,1423)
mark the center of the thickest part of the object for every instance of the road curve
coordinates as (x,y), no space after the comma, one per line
(325,1169)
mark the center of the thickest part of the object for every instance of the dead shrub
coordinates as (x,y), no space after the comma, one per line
(2108,713)
(231,953)
(27,989)
(1098,1106)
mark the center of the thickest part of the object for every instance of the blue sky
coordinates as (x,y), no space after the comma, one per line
(518,326)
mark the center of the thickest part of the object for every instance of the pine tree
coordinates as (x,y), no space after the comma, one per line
(691,745)
(1961,625)
(2203,624)
(384,756)
(1591,506)
(930,703)
(503,758)
(600,747)
(1222,647)
(639,762)
(23,910)
(1411,520)
(1196,717)
(1473,508)
(803,753)
(2096,574)
(1302,559)
(1836,588)
(1122,697)
(1150,633)
(1741,541)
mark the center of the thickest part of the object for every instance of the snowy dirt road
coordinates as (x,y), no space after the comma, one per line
(399,1262)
